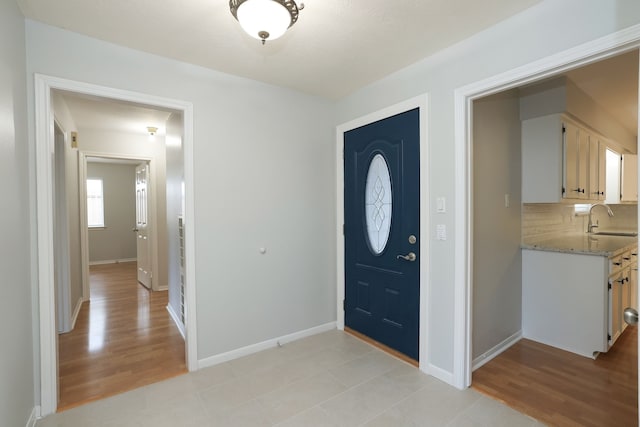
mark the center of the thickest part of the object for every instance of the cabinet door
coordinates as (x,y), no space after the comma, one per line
(597,168)
(571,152)
(625,296)
(629,181)
(584,145)
(633,285)
(615,314)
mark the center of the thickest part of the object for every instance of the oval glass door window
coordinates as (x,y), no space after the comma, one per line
(378,203)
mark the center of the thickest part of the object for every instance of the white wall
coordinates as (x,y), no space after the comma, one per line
(16,351)
(116,241)
(544,29)
(497,264)
(263,178)
(175,182)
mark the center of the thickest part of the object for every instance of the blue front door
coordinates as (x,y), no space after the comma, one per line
(382,228)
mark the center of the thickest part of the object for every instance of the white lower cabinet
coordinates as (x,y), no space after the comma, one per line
(575,302)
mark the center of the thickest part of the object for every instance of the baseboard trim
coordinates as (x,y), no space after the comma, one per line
(439,373)
(33,418)
(162,288)
(76,311)
(112,261)
(264,345)
(176,320)
(495,351)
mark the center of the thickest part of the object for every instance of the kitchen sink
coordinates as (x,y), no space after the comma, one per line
(617,233)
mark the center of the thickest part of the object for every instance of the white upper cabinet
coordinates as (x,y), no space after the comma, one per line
(629,181)
(562,160)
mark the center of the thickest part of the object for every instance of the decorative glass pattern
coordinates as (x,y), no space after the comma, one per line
(378,203)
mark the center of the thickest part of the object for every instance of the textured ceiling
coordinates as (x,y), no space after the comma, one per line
(335,48)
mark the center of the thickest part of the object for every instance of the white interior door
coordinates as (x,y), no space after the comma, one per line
(142,225)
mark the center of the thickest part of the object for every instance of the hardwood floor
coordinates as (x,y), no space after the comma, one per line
(124,338)
(563,389)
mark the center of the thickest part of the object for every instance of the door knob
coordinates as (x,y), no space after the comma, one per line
(631,316)
(408,257)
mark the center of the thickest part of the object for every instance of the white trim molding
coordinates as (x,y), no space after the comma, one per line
(602,48)
(33,417)
(76,311)
(264,345)
(422,103)
(496,350)
(176,320)
(44,137)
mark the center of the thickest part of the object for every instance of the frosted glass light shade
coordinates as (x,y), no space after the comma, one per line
(256,16)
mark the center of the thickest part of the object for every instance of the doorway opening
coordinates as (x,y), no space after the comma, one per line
(180,140)
(506,210)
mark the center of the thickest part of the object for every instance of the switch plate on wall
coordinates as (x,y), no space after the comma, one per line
(441,206)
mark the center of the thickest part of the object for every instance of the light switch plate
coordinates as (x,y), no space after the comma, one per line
(441,205)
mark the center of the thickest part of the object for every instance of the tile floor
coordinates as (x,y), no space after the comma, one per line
(329,379)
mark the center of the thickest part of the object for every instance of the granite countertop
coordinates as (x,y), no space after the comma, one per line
(582,243)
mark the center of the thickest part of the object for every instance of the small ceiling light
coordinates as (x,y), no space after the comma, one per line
(152,130)
(265,19)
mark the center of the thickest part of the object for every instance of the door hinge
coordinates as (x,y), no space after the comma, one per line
(609,283)
(344,305)
(343,229)
(563,190)
(564,129)
(608,337)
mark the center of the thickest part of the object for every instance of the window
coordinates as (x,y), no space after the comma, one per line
(95,203)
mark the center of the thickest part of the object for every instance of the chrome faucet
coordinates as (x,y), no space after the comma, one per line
(591,225)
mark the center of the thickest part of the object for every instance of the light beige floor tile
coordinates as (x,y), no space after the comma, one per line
(486,412)
(220,400)
(314,417)
(249,414)
(434,405)
(297,397)
(362,403)
(410,377)
(213,375)
(186,410)
(365,368)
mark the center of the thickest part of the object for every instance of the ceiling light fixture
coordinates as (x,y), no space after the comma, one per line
(152,130)
(265,19)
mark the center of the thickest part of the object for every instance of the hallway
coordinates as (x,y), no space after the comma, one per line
(123,339)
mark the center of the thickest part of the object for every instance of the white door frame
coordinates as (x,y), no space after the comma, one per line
(578,56)
(44,140)
(63,288)
(84,226)
(420,102)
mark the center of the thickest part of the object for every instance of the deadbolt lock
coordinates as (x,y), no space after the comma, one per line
(412,239)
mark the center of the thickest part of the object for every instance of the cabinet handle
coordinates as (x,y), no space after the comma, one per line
(632,254)
(579,190)
(621,281)
(617,263)
(626,258)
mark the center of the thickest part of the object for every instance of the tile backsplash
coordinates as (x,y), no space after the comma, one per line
(541,220)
